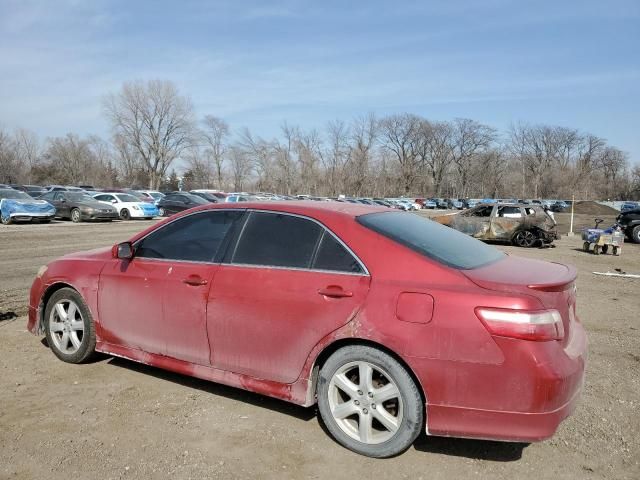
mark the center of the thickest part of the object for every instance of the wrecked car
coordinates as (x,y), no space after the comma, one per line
(522,225)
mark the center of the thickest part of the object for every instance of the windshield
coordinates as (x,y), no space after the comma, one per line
(432,239)
(155,195)
(78,197)
(125,197)
(14,195)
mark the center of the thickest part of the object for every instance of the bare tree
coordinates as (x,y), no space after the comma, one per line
(155,119)
(214,132)
(240,167)
(400,136)
(436,150)
(336,156)
(470,140)
(364,131)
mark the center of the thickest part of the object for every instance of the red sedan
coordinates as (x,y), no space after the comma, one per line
(388,321)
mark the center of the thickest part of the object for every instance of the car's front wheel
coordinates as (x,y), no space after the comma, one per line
(75,215)
(161,212)
(125,215)
(635,234)
(5,220)
(369,402)
(69,326)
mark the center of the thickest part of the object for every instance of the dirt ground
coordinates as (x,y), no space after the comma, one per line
(117,419)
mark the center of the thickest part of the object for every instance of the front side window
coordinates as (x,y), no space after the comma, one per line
(278,240)
(195,238)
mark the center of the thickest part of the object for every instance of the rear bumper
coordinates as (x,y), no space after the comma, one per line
(498,425)
(522,399)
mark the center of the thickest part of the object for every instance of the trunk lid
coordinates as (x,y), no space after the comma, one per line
(553,284)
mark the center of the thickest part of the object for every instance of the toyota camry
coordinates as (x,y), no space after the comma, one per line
(394,325)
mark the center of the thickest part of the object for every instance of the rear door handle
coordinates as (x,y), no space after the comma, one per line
(334,291)
(194,280)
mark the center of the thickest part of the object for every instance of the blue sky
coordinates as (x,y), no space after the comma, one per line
(258,63)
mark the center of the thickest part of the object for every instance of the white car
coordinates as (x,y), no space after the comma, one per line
(128,206)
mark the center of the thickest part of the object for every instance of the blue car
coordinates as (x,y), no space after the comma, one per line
(628,206)
(17,206)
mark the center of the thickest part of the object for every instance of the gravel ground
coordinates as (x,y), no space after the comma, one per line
(117,419)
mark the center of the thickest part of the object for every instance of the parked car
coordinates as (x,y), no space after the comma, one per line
(154,195)
(629,221)
(128,206)
(178,202)
(558,206)
(294,301)
(454,203)
(78,206)
(441,203)
(207,196)
(235,198)
(33,191)
(17,206)
(426,203)
(522,225)
(626,206)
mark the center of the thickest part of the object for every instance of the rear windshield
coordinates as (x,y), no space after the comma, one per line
(432,239)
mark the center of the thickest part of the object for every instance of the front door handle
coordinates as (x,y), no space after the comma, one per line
(334,291)
(194,280)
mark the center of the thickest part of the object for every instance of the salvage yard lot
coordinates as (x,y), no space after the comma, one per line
(114,418)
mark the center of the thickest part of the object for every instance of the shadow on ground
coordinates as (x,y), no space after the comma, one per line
(475,449)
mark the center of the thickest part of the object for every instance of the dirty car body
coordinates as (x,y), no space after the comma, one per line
(520,224)
(272,297)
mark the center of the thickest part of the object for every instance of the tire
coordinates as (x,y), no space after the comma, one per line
(616,251)
(72,340)
(402,411)
(6,221)
(596,250)
(635,234)
(76,217)
(124,214)
(525,239)
(585,246)
(604,249)
(161,212)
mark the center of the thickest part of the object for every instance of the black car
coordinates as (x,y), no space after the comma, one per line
(630,223)
(179,201)
(209,197)
(78,206)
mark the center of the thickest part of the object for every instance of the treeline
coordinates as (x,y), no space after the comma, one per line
(155,133)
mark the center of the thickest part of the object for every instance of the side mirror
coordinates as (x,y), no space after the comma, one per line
(113,200)
(123,251)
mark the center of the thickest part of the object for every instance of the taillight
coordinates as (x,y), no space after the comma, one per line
(536,325)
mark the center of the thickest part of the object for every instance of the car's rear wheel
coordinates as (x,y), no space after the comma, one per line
(125,215)
(369,402)
(69,326)
(75,215)
(525,238)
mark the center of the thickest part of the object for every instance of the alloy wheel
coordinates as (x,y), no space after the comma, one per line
(525,238)
(66,326)
(365,402)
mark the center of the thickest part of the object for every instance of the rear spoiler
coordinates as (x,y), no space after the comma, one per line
(559,285)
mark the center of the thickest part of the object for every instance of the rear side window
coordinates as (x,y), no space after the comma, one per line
(333,256)
(277,240)
(431,239)
(195,238)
